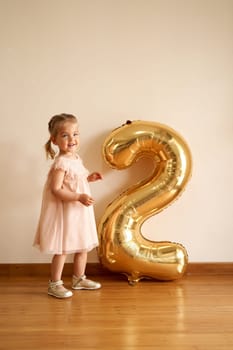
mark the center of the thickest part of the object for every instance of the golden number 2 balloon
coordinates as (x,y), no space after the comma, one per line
(122,248)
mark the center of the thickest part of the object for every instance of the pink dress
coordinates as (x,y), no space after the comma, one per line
(66,227)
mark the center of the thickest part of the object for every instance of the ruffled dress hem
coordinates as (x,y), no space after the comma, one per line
(65,252)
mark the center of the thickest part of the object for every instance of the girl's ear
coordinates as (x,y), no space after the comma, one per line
(53,140)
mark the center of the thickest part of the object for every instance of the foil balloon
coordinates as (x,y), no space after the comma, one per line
(122,247)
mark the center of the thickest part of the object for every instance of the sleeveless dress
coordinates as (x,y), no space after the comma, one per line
(66,227)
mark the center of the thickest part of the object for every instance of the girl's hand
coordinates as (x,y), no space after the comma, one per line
(85,199)
(94,177)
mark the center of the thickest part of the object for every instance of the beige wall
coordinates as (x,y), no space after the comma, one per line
(108,61)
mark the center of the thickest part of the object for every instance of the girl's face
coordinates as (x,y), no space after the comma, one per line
(67,138)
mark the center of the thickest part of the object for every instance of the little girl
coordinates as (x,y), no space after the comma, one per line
(67,222)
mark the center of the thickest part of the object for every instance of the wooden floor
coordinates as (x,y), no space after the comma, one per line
(193,313)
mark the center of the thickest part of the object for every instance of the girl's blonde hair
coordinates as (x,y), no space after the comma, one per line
(53,126)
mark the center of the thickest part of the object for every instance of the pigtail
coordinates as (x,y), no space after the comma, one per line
(50,153)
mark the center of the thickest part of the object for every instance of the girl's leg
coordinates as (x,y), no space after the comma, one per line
(80,261)
(79,280)
(57,266)
(56,287)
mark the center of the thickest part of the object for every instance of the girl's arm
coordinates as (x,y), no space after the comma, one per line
(64,194)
